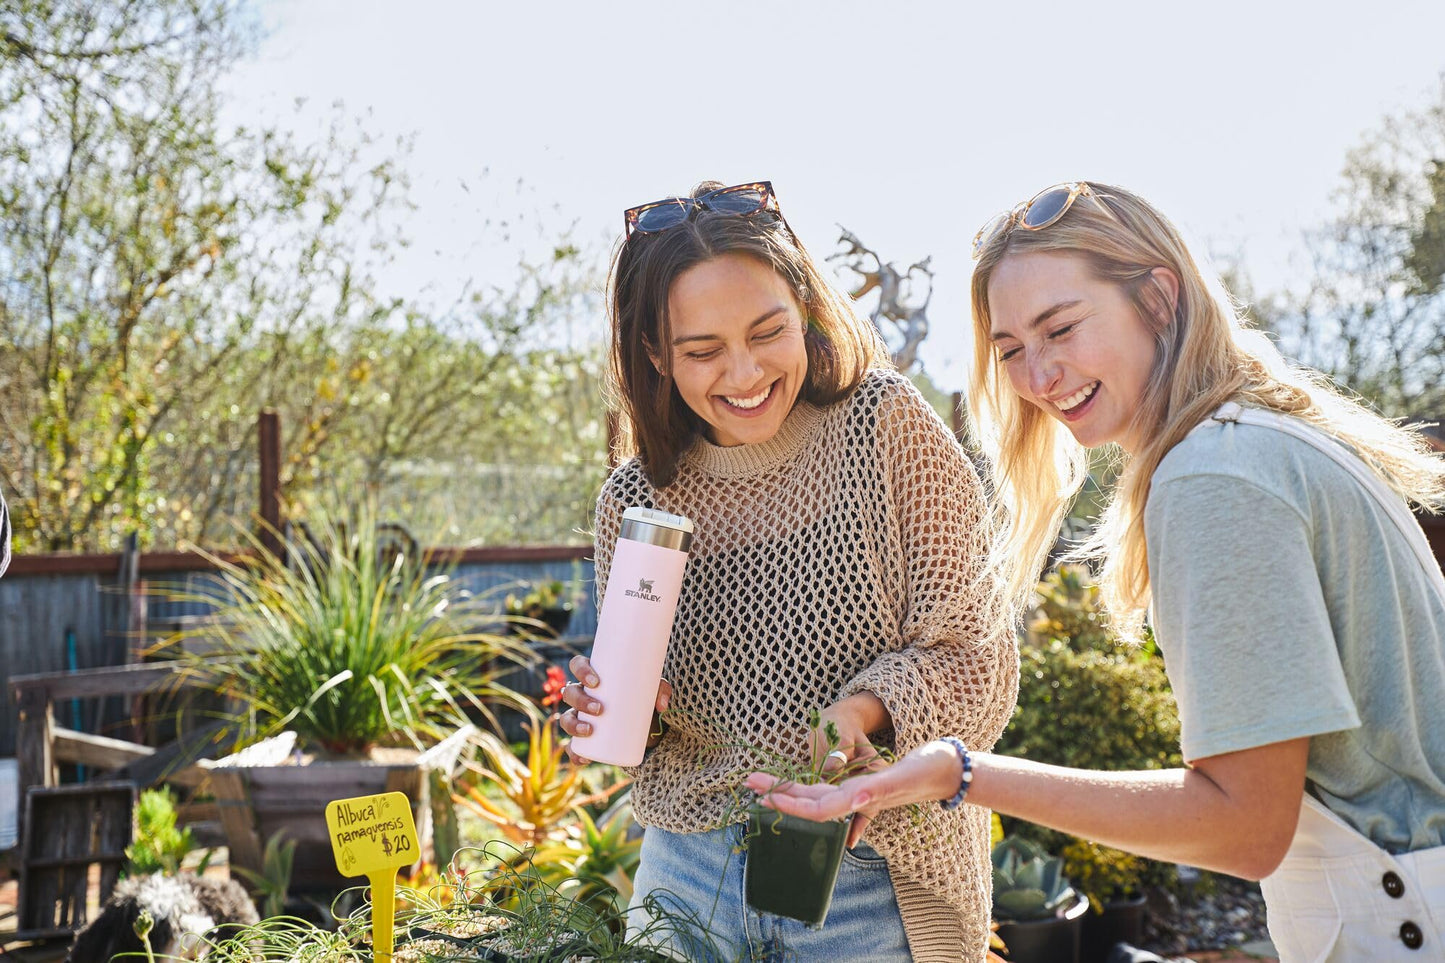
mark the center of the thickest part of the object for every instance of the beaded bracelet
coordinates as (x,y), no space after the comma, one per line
(966,779)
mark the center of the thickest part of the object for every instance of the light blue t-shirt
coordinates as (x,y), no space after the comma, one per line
(1287,603)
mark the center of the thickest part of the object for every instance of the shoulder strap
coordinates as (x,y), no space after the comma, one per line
(1388,498)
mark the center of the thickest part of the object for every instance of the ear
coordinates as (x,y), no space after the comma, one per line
(1165,284)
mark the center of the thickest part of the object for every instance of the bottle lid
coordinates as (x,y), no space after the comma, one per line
(656,517)
(657,528)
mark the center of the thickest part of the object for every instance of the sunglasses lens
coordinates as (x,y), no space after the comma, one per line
(989,231)
(662,216)
(743,200)
(1047,207)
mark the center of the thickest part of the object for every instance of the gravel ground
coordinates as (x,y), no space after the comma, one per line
(1222,913)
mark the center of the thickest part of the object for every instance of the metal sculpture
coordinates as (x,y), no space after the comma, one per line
(899,305)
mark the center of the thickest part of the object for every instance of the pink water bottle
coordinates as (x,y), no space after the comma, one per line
(632,632)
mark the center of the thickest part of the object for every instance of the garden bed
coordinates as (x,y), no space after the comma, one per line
(1223,913)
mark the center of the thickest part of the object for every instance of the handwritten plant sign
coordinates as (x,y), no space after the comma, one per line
(374,836)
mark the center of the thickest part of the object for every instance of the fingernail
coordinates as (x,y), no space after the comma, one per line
(584,728)
(592,680)
(665,701)
(594,707)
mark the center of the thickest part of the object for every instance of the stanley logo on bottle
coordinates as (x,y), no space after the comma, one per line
(643,591)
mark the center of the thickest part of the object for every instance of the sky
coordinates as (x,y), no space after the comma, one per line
(909,123)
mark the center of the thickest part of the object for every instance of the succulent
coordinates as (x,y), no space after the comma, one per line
(1027,883)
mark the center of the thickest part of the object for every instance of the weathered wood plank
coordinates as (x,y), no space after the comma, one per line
(102,752)
(108,680)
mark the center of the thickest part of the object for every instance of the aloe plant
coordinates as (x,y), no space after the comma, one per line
(1028,884)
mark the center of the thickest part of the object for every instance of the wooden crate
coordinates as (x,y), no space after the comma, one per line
(72,833)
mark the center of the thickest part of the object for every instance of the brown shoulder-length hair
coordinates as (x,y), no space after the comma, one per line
(657,424)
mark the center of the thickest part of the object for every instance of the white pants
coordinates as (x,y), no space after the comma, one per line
(1339,898)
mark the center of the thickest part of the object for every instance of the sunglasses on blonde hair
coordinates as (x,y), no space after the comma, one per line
(740,199)
(1035,214)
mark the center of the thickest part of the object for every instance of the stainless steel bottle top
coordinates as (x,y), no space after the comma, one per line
(657,528)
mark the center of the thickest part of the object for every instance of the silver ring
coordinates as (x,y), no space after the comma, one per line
(842,756)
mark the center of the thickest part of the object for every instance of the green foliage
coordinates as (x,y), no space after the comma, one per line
(1086,700)
(1373,312)
(544,607)
(1068,608)
(530,800)
(273,882)
(168,278)
(346,644)
(1101,873)
(1027,884)
(591,864)
(160,846)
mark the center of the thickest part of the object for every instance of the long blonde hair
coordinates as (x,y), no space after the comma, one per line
(1205,355)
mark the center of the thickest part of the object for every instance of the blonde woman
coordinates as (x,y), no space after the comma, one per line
(1262,518)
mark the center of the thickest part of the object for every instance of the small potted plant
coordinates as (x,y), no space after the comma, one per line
(544,609)
(1039,913)
(1113,881)
(792,863)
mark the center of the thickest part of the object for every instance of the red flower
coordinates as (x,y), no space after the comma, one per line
(552,688)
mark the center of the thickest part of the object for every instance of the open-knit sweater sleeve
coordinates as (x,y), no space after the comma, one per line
(957,672)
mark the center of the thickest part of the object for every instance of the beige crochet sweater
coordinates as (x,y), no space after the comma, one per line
(844,554)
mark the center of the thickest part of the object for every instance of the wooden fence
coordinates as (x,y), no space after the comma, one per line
(70,612)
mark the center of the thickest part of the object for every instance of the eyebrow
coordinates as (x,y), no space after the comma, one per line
(712,337)
(1041,318)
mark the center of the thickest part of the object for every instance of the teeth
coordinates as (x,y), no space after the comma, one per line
(1077,398)
(752,402)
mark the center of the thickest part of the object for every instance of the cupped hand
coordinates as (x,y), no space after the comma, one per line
(928,773)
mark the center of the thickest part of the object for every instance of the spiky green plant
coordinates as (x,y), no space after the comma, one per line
(344,642)
(160,845)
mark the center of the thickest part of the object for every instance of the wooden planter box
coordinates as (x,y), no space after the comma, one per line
(258,798)
(71,834)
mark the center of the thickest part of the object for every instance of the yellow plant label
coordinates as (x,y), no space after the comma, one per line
(373,836)
(371,833)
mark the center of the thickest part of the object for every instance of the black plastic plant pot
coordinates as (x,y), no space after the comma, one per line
(1052,940)
(1122,921)
(557,618)
(792,864)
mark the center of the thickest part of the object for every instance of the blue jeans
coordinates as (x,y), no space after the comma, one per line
(700,876)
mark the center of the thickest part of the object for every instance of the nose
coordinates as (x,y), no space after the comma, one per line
(743,368)
(1044,373)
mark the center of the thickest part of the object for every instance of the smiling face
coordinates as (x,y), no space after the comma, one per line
(1071,344)
(738,356)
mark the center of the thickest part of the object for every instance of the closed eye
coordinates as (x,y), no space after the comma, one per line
(702,355)
(1008,354)
(769,335)
(1060,332)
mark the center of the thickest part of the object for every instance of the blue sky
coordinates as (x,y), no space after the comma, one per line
(908,122)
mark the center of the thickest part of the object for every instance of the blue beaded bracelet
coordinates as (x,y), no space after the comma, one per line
(967,761)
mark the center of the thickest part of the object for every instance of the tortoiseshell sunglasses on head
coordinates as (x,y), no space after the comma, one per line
(740,199)
(1035,214)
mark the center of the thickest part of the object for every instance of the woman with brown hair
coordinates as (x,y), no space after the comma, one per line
(838,564)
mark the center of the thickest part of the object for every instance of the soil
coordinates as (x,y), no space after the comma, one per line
(1221,913)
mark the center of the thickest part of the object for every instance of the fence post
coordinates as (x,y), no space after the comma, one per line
(269,439)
